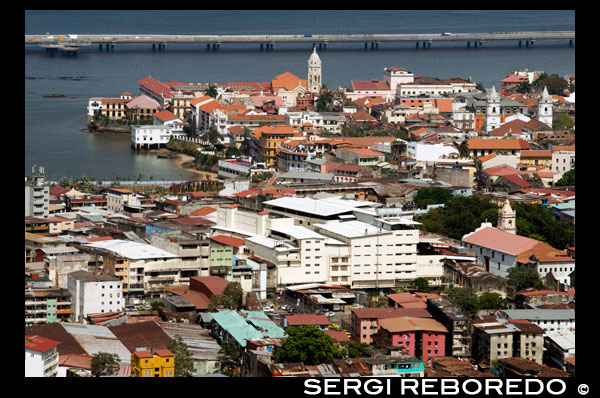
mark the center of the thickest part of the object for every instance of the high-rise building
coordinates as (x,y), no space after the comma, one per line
(37,195)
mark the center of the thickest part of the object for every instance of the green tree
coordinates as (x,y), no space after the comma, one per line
(567,179)
(535,218)
(488,301)
(184,364)
(479,86)
(307,344)
(211,91)
(325,100)
(524,88)
(550,281)
(465,298)
(232,151)
(354,349)
(555,84)
(463,149)
(524,277)
(229,358)
(562,121)
(230,298)
(105,364)
(212,136)
(421,285)
(432,195)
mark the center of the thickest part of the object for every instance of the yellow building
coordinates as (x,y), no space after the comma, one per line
(268,139)
(537,157)
(154,363)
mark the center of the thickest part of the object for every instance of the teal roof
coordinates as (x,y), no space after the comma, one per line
(564,206)
(244,328)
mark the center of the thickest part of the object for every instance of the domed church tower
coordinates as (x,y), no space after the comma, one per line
(314,73)
(507,218)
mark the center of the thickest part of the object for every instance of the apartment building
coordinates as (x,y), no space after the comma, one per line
(144,269)
(194,251)
(41,357)
(37,196)
(94,293)
(47,305)
(458,341)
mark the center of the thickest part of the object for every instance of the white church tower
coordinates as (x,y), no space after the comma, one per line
(492,112)
(507,218)
(545,108)
(314,73)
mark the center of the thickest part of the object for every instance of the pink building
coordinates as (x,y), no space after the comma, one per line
(422,338)
(365,321)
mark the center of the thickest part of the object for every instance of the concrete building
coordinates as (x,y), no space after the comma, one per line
(563,160)
(365,322)
(47,305)
(421,337)
(458,341)
(37,195)
(144,269)
(94,293)
(548,319)
(41,357)
(154,136)
(193,250)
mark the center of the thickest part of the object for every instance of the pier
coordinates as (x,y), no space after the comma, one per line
(159,42)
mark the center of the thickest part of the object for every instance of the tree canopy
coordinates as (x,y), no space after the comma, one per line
(232,151)
(554,83)
(562,121)
(535,220)
(307,344)
(421,284)
(465,298)
(184,364)
(230,298)
(431,196)
(524,277)
(488,301)
(105,364)
(567,179)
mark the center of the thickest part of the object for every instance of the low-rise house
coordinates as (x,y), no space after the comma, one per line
(393,363)
(360,156)
(421,337)
(150,362)
(480,146)
(142,107)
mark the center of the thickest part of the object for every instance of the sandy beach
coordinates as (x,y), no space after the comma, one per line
(181,160)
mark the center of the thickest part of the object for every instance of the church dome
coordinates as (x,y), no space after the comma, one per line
(314,57)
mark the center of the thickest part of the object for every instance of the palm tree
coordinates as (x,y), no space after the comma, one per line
(211,91)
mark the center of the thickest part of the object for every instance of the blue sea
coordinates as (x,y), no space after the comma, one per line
(53,136)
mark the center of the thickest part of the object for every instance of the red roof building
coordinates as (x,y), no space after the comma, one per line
(228,240)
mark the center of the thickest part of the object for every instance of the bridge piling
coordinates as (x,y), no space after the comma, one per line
(519,43)
(468,44)
(571,43)
(532,41)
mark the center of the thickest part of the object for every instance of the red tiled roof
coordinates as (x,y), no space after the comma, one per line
(380,313)
(193,221)
(228,240)
(165,115)
(81,361)
(482,143)
(208,285)
(55,331)
(39,343)
(338,335)
(199,299)
(373,85)
(307,319)
(501,241)
(204,211)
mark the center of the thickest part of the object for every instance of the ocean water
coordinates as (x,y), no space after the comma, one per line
(53,136)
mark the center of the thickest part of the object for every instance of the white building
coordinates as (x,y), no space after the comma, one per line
(154,136)
(492,114)
(548,319)
(94,294)
(378,257)
(250,221)
(563,160)
(297,119)
(395,76)
(41,357)
(429,152)
(232,168)
(499,251)
(314,76)
(544,113)
(37,196)
(148,268)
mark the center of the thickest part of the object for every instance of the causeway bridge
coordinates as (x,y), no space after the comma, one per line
(72,42)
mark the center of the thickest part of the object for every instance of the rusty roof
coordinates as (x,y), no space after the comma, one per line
(55,331)
(142,334)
